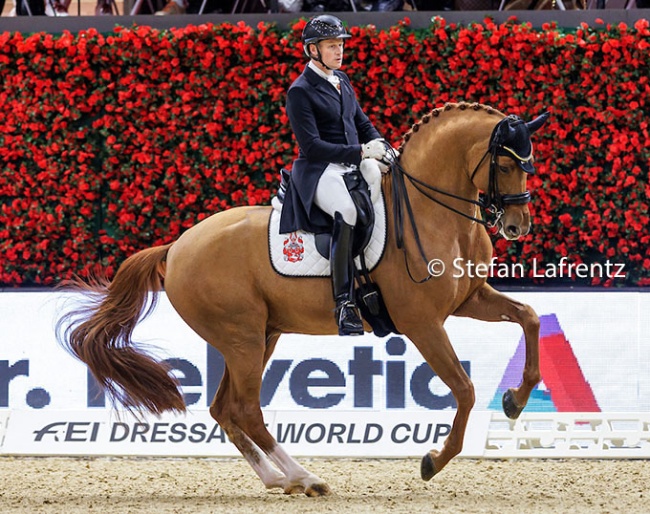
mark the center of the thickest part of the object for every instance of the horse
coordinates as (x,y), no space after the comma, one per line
(218,277)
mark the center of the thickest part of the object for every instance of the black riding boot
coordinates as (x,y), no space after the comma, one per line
(347,315)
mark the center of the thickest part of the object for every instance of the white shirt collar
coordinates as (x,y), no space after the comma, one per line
(330,77)
(318,71)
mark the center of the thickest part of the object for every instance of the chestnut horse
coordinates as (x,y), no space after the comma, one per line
(218,277)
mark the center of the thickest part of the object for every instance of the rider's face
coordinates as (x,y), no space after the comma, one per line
(331,51)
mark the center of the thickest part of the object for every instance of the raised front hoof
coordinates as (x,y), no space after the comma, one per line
(427,466)
(315,490)
(510,407)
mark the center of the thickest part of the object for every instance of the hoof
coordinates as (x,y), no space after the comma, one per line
(510,407)
(294,489)
(315,490)
(427,467)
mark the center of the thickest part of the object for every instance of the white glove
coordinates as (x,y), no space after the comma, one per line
(375,149)
(371,172)
(391,156)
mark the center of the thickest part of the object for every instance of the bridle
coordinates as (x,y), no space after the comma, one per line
(492,201)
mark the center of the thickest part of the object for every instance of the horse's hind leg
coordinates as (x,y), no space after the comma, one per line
(237,409)
(270,476)
(487,304)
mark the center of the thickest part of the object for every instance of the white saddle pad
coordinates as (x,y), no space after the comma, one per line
(295,254)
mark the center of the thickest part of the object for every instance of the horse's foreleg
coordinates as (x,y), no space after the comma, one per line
(435,347)
(487,304)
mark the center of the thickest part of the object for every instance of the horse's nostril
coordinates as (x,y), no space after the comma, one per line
(513,230)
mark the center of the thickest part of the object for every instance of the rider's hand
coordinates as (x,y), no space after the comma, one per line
(391,156)
(375,149)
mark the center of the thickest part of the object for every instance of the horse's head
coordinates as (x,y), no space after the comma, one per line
(510,153)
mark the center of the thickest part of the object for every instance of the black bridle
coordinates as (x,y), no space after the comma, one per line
(492,201)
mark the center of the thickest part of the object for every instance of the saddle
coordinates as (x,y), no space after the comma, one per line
(367,294)
(360,193)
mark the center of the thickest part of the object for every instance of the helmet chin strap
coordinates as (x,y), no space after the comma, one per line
(319,58)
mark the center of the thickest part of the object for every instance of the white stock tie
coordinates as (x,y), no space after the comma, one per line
(335,81)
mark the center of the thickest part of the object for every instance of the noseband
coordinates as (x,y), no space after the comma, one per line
(492,202)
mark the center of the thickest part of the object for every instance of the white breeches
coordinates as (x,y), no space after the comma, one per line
(332,196)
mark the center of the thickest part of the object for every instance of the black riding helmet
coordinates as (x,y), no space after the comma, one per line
(319,28)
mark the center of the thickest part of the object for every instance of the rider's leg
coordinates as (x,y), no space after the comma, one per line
(341,264)
(371,172)
(332,197)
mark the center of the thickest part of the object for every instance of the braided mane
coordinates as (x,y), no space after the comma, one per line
(436,112)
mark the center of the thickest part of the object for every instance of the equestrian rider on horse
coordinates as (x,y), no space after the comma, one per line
(334,135)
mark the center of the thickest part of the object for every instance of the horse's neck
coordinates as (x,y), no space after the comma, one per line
(442,154)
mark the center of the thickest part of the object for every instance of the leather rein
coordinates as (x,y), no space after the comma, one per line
(492,202)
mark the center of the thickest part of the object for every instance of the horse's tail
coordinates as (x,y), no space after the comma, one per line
(99,333)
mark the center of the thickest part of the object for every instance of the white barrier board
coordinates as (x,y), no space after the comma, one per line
(594,349)
(336,434)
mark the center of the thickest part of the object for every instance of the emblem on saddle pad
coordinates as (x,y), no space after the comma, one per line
(294,248)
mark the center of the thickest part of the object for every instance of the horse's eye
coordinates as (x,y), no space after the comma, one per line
(504,169)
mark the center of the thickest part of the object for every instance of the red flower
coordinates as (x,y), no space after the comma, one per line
(112,143)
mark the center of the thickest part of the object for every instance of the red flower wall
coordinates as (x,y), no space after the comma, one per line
(110,143)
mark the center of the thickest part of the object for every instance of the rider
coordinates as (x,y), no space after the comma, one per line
(334,135)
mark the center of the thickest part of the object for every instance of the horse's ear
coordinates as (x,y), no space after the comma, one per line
(538,122)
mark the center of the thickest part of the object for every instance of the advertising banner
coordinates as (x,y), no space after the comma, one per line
(311,433)
(594,353)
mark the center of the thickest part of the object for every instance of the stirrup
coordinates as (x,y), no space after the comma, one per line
(348,319)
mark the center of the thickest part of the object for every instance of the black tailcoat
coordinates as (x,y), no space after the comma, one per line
(329,127)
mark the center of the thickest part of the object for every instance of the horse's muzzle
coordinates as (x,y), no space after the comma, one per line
(515,222)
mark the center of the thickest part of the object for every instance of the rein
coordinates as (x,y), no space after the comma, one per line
(491,202)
